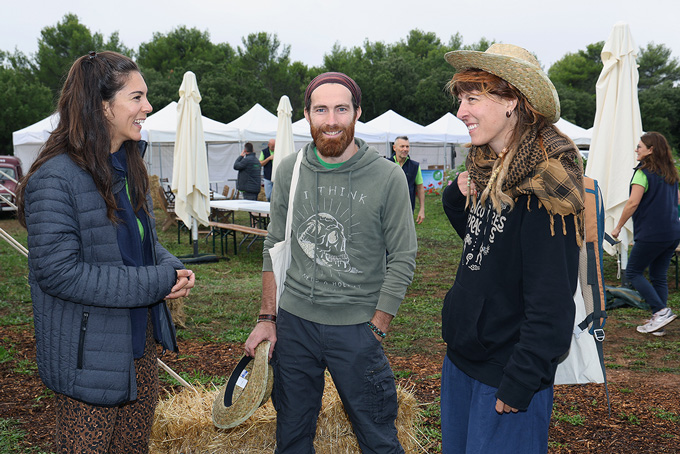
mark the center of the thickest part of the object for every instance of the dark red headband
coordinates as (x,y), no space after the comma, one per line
(333,78)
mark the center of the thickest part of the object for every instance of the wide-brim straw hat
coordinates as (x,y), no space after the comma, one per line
(516,66)
(249,387)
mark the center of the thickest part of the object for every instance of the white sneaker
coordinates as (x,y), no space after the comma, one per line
(658,321)
(659,333)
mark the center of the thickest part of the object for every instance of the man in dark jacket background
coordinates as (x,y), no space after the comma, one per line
(414,177)
(249,168)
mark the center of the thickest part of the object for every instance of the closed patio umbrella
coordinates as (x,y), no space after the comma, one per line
(616,130)
(190,182)
(284,133)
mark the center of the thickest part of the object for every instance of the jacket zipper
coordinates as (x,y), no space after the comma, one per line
(81,340)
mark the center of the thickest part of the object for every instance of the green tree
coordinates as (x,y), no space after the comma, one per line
(24,102)
(656,66)
(61,45)
(574,76)
(167,57)
(660,111)
(267,61)
(180,48)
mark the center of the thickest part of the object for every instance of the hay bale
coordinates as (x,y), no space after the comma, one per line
(183,425)
(154,183)
(176,307)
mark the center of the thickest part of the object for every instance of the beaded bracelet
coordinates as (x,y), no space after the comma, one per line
(376,330)
(266,318)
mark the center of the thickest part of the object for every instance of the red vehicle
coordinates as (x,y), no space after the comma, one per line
(10,175)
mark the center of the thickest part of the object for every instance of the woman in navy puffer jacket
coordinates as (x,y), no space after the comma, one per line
(97,272)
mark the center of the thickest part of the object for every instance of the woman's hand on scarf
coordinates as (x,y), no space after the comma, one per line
(465,184)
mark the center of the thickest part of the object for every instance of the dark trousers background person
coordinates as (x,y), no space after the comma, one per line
(657,257)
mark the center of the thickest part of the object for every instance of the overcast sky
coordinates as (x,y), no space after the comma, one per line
(547,28)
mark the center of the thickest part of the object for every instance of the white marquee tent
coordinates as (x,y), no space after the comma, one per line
(28,141)
(222,143)
(257,124)
(427,146)
(453,129)
(579,135)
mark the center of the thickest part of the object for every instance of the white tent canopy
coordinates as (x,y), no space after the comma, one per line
(453,129)
(395,125)
(260,125)
(579,135)
(162,125)
(222,142)
(28,141)
(428,147)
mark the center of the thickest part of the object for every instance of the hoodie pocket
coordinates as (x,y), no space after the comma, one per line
(81,338)
(463,321)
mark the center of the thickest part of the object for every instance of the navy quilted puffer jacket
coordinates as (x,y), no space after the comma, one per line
(81,290)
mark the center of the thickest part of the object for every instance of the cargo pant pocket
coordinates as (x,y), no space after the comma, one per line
(381,394)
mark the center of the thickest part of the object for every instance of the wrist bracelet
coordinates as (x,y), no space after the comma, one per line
(266,318)
(376,330)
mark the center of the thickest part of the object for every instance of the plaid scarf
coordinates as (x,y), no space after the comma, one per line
(546,164)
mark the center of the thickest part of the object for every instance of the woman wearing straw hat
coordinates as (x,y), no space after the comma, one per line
(653,205)
(518,208)
(97,272)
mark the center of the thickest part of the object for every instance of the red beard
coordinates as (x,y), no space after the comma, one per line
(335,146)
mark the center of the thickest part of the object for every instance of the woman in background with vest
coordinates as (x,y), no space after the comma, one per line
(653,204)
(97,272)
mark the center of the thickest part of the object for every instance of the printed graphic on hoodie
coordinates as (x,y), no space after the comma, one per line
(484,223)
(327,229)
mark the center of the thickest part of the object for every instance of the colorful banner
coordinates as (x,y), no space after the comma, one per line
(433,180)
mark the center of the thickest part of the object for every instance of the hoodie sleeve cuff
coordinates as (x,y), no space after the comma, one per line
(266,262)
(514,394)
(388,304)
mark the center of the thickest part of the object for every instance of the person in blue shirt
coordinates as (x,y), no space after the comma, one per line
(653,205)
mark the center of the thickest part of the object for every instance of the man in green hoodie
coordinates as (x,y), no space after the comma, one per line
(341,292)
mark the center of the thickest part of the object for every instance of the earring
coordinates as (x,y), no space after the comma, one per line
(508,113)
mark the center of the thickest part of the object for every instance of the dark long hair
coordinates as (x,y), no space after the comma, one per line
(84,132)
(660,161)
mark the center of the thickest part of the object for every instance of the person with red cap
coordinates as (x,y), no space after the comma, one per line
(340,292)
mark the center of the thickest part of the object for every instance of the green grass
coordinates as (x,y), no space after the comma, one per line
(11,438)
(629,418)
(574,420)
(665,415)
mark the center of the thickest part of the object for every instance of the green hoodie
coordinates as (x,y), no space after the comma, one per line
(344,221)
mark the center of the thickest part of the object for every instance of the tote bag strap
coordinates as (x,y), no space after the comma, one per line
(293,188)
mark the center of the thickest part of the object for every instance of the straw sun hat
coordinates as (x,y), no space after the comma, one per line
(516,66)
(249,387)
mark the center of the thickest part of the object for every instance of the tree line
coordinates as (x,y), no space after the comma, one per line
(407,76)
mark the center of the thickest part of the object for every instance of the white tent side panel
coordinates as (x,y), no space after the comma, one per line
(221,158)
